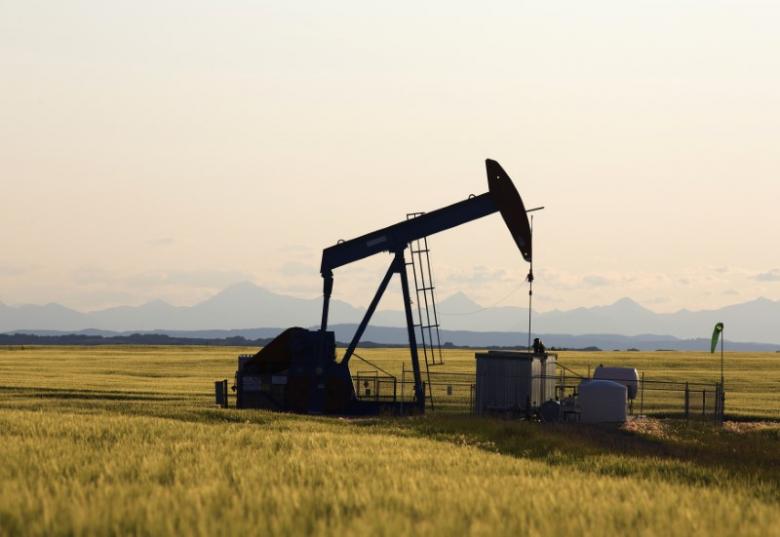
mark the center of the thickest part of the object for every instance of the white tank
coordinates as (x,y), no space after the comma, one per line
(627,376)
(602,401)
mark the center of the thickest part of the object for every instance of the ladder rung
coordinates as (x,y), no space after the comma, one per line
(419,247)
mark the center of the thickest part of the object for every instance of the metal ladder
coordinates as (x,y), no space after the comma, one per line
(427,317)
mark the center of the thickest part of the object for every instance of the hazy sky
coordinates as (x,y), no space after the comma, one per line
(167,149)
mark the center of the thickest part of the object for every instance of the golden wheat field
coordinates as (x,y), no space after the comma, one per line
(127,441)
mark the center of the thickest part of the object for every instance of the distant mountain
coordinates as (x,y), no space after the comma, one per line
(607,342)
(243,305)
(53,316)
(376,335)
(757,320)
(247,306)
(459,304)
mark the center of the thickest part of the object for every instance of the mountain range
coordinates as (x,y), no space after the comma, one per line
(245,306)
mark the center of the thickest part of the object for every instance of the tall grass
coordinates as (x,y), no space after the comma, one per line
(126,441)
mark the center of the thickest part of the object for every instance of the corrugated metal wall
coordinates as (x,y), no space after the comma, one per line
(511,381)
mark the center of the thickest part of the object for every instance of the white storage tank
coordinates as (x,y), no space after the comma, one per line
(602,401)
(627,376)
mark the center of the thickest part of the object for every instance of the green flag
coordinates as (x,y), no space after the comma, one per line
(715,336)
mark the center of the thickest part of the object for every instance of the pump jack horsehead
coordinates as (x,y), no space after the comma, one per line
(298,370)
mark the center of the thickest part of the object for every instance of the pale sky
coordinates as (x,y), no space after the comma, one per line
(168,149)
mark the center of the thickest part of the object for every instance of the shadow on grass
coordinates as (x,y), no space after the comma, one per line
(694,453)
(183,407)
(56,393)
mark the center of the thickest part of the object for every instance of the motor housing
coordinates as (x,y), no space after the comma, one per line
(295,372)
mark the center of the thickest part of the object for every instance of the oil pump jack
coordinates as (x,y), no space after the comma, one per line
(298,371)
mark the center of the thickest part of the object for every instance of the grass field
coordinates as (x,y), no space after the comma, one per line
(126,441)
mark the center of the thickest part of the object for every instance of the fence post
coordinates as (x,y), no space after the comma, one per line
(716,403)
(720,403)
(403,380)
(704,402)
(642,396)
(687,401)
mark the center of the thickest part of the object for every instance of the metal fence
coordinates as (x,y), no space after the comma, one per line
(455,393)
(449,392)
(664,398)
(444,392)
(375,386)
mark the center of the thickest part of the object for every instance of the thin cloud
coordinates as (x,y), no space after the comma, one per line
(93,276)
(295,268)
(478,275)
(187,278)
(15,270)
(656,300)
(161,241)
(596,281)
(770,276)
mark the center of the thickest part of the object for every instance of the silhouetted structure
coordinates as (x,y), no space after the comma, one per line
(298,370)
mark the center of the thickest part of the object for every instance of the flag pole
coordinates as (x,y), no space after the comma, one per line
(722,337)
(530,286)
(719,388)
(722,403)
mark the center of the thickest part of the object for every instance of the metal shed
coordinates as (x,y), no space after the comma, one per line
(514,381)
